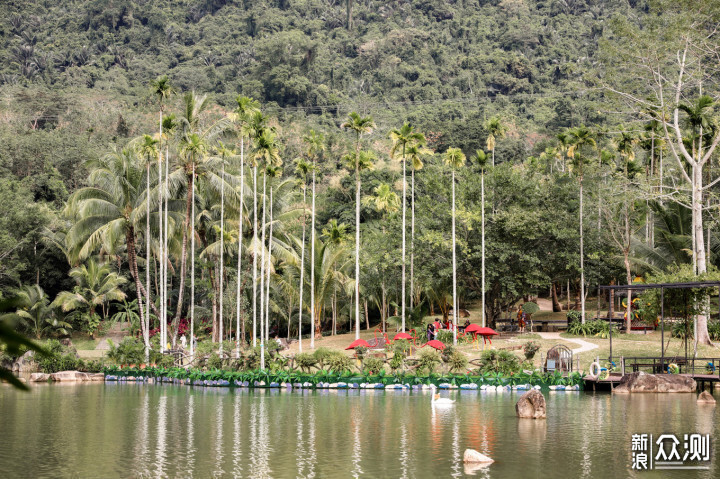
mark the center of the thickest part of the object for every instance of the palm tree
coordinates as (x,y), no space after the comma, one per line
(193,135)
(386,202)
(480,159)
(163,90)
(580,138)
(148,149)
(496,130)
(335,235)
(454,158)
(315,144)
(359,125)
(97,286)
(35,312)
(247,107)
(272,171)
(110,211)
(401,139)
(266,153)
(414,152)
(302,167)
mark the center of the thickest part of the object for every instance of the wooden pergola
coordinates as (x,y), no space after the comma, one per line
(662,287)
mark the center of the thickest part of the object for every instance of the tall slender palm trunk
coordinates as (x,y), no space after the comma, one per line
(255,222)
(482,214)
(192,271)
(167,256)
(412,239)
(221,279)
(582,256)
(454,263)
(302,269)
(404,223)
(312,264)
(146,337)
(240,236)
(357,248)
(262,279)
(162,254)
(269,265)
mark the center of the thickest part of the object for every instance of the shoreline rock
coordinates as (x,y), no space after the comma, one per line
(641,382)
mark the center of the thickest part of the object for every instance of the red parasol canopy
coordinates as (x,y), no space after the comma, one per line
(357,343)
(435,344)
(486,332)
(472,328)
(402,336)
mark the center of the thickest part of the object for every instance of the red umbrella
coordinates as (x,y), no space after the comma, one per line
(435,344)
(357,343)
(486,333)
(402,336)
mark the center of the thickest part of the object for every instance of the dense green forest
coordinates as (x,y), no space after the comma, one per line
(566,166)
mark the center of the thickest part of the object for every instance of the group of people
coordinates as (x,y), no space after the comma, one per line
(434,327)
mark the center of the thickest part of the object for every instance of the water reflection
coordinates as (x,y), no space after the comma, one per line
(169,431)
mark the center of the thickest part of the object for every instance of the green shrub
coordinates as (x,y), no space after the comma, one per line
(679,329)
(322,354)
(714,330)
(503,362)
(446,336)
(530,349)
(214,362)
(457,361)
(428,360)
(574,316)
(339,363)
(305,361)
(373,365)
(129,351)
(397,361)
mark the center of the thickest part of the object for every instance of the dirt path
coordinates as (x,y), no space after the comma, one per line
(584,345)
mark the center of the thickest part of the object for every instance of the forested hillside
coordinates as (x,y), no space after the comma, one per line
(534,86)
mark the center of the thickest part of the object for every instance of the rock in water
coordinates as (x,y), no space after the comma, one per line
(39,377)
(69,376)
(705,398)
(472,456)
(641,382)
(531,405)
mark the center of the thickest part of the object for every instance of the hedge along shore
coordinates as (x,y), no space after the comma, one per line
(331,380)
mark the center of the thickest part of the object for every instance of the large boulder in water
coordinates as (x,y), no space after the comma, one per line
(531,405)
(705,398)
(641,382)
(39,377)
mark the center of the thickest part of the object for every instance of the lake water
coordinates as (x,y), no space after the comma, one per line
(137,430)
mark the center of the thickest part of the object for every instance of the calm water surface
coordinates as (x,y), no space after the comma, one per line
(135,430)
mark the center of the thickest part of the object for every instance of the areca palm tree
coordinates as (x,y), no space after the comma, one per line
(302,167)
(579,138)
(496,130)
(358,125)
(267,154)
(110,211)
(386,202)
(414,152)
(315,145)
(335,234)
(247,107)
(163,90)
(402,137)
(272,171)
(480,159)
(454,158)
(148,149)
